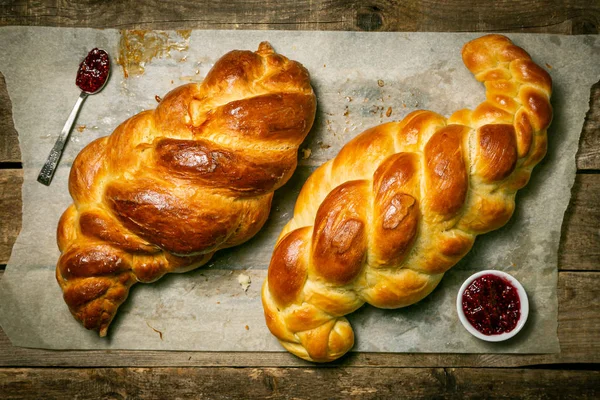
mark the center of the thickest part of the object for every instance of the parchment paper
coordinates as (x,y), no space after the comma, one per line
(359,78)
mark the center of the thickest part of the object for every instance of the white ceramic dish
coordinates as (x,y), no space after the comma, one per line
(522,297)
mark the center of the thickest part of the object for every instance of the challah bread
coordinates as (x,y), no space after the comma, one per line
(171,186)
(403,202)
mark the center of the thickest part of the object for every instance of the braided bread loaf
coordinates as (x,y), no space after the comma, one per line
(403,202)
(171,186)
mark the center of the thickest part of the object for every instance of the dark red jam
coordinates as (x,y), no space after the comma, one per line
(93,71)
(492,305)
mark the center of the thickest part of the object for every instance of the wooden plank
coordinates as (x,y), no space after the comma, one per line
(297,383)
(532,383)
(588,157)
(580,242)
(551,16)
(579,315)
(9,142)
(11,181)
(578,332)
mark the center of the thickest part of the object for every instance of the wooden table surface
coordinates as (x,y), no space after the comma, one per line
(574,372)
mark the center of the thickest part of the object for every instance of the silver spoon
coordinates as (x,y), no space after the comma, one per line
(92,75)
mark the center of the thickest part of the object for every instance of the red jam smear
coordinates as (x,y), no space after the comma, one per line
(93,71)
(492,305)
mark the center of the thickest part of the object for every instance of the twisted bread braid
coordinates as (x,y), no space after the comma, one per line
(403,202)
(171,186)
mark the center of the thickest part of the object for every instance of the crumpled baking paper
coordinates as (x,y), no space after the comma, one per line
(361,80)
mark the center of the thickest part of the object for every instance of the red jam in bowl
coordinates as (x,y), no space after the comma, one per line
(93,71)
(492,305)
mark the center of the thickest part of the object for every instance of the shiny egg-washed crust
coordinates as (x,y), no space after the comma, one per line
(171,186)
(403,202)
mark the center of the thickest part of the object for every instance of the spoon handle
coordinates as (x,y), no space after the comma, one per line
(47,172)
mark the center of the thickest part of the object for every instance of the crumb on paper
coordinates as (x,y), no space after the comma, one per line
(157,98)
(188,78)
(218,302)
(323,145)
(155,330)
(306,153)
(388,113)
(244,281)
(324,65)
(348,98)
(380,83)
(81,128)
(197,72)
(549,66)
(171,81)
(183,59)
(247,327)
(328,126)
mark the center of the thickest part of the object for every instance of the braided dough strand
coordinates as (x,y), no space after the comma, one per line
(171,186)
(403,202)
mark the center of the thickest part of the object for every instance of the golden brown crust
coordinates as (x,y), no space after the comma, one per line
(203,162)
(171,186)
(339,238)
(396,210)
(288,271)
(497,156)
(446,179)
(403,202)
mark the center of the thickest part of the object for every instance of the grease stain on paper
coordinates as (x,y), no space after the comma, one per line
(139,47)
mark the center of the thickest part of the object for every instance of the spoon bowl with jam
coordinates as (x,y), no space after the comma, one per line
(91,77)
(492,305)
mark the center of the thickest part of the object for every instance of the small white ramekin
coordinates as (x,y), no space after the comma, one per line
(522,298)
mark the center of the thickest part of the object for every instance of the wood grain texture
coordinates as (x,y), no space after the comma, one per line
(578,317)
(578,330)
(588,157)
(11,181)
(550,16)
(579,248)
(9,142)
(297,383)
